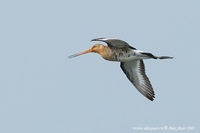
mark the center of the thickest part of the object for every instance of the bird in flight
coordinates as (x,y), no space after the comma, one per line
(131,62)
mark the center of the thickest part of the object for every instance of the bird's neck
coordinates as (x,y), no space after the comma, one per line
(106,53)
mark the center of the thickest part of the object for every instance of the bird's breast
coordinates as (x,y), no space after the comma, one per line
(121,54)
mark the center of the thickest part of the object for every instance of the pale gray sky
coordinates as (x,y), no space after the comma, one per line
(41,90)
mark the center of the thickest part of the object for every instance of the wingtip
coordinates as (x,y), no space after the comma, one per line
(97,39)
(93,40)
(152,98)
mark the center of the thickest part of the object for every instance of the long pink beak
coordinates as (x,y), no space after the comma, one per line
(81,53)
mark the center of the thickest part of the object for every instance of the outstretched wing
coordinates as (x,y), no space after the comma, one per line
(135,72)
(112,42)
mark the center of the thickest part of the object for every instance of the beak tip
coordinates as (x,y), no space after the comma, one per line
(71,56)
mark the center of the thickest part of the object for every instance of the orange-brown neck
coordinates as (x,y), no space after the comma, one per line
(104,51)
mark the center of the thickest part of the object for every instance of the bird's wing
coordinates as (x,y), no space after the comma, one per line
(112,42)
(135,72)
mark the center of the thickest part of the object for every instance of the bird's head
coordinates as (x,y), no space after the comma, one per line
(97,48)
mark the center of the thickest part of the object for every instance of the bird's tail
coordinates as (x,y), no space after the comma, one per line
(157,57)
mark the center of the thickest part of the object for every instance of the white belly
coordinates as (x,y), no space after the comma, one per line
(131,55)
